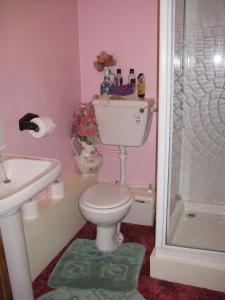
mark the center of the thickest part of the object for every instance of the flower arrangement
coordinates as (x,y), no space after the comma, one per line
(84,124)
(104,60)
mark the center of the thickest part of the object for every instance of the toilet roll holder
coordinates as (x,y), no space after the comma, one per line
(26,124)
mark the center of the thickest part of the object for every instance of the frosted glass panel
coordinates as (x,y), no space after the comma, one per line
(197,177)
(203,145)
(177,114)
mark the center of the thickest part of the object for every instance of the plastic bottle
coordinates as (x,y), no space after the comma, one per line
(132,79)
(141,85)
(107,84)
(118,78)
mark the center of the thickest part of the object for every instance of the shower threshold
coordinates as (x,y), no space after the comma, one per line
(197,225)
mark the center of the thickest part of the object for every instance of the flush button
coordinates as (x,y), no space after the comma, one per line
(138,119)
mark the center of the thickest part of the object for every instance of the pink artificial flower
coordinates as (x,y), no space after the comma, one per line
(84,122)
(99,67)
(104,59)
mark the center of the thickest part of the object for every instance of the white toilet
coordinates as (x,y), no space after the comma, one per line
(122,123)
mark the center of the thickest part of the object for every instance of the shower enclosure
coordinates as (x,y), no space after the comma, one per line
(190,226)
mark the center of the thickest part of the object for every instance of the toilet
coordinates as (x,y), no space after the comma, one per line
(106,205)
(122,123)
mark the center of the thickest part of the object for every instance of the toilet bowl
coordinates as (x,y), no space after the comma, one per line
(105,205)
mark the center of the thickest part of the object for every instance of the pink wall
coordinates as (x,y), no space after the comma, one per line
(43,57)
(128,30)
(39,73)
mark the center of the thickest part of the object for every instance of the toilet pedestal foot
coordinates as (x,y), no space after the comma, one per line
(105,239)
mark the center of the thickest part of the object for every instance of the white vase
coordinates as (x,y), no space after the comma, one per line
(89,160)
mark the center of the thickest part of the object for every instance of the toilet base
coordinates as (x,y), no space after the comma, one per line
(108,239)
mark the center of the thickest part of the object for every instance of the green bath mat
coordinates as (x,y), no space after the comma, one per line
(98,294)
(83,266)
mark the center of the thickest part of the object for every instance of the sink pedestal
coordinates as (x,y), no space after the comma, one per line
(28,177)
(16,255)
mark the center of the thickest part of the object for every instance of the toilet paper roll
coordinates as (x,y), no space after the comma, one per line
(56,190)
(30,210)
(46,126)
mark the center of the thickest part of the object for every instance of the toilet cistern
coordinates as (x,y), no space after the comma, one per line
(131,121)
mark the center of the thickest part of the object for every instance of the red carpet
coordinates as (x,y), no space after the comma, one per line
(150,288)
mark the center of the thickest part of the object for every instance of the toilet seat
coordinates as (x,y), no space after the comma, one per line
(103,196)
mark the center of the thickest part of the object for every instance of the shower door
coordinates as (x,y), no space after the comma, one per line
(196,173)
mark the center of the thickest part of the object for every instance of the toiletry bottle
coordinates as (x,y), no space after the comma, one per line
(107,83)
(141,85)
(118,78)
(132,79)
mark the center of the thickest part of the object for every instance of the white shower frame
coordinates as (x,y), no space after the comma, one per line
(196,267)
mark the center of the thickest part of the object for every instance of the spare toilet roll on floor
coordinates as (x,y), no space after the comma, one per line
(46,126)
(56,190)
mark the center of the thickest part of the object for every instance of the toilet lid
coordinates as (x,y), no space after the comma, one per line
(105,195)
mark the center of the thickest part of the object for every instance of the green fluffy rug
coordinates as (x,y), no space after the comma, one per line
(93,294)
(83,266)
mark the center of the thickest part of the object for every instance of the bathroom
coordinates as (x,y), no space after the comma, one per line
(47,68)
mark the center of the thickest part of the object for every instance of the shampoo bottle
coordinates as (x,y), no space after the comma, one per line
(118,78)
(132,79)
(141,85)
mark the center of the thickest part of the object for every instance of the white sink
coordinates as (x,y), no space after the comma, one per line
(27,177)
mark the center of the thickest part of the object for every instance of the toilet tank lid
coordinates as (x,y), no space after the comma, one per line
(138,103)
(106,195)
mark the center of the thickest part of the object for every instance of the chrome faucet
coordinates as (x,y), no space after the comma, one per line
(6,179)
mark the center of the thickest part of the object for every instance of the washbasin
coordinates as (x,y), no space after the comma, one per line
(27,177)
(21,178)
